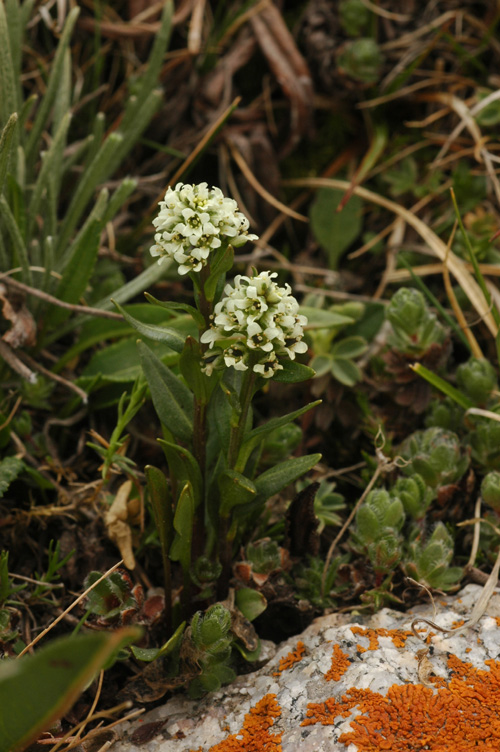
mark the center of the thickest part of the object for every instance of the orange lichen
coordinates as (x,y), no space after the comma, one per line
(340,664)
(398,636)
(463,716)
(254,736)
(293,657)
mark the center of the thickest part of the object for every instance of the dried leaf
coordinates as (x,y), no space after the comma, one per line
(23,327)
(117,524)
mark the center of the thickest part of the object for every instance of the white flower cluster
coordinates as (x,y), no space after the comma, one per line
(256,322)
(194,221)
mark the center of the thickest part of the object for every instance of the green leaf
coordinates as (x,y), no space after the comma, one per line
(222,263)
(20,254)
(190,362)
(350,347)
(170,306)
(234,489)
(321,364)
(118,363)
(10,468)
(442,385)
(317,318)
(172,399)
(180,549)
(150,654)
(78,271)
(93,175)
(6,148)
(37,690)
(258,434)
(183,467)
(158,333)
(276,478)
(250,602)
(161,504)
(345,371)
(8,78)
(54,82)
(293,372)
(335,231)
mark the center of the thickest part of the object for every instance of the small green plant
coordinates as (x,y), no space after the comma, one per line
(437,455)
(208,645)
(377,530)
(242,336)
(477,379)
(416,496)
(414,327)
(361,59)
(429,561)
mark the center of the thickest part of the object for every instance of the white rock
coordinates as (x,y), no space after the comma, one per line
(207,722)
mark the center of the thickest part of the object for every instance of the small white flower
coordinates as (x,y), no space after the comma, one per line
(193,221)
(262,320)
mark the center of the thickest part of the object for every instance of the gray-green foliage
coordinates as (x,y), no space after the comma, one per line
(428,561)
(386,533)
(378,529)
(414,327)
(477,378)
(208,644)
(57,253)
(436,454)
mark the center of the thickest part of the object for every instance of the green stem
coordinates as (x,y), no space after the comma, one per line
(235,439)
(237,432)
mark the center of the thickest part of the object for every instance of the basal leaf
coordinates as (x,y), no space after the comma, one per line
(172,399)
(158,333)
(276,478)
(335,231)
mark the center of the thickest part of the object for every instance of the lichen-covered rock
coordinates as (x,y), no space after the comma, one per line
(353,683)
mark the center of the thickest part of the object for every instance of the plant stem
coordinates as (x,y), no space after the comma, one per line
(238,431)
(236,437)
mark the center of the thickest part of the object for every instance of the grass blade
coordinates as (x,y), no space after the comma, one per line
(7,144)
(8,103)
(53,86)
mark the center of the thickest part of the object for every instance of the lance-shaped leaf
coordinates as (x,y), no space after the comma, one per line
(190,364)
(259,433)
(183,524)
(222,263)
(37,690)
(161,504)
(170,306)
(172,399)
(152,331)
(293,372)
(7,142)
(276,478)
(183,467)
(235,490)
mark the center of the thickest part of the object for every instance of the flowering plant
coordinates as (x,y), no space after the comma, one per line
(244,334)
